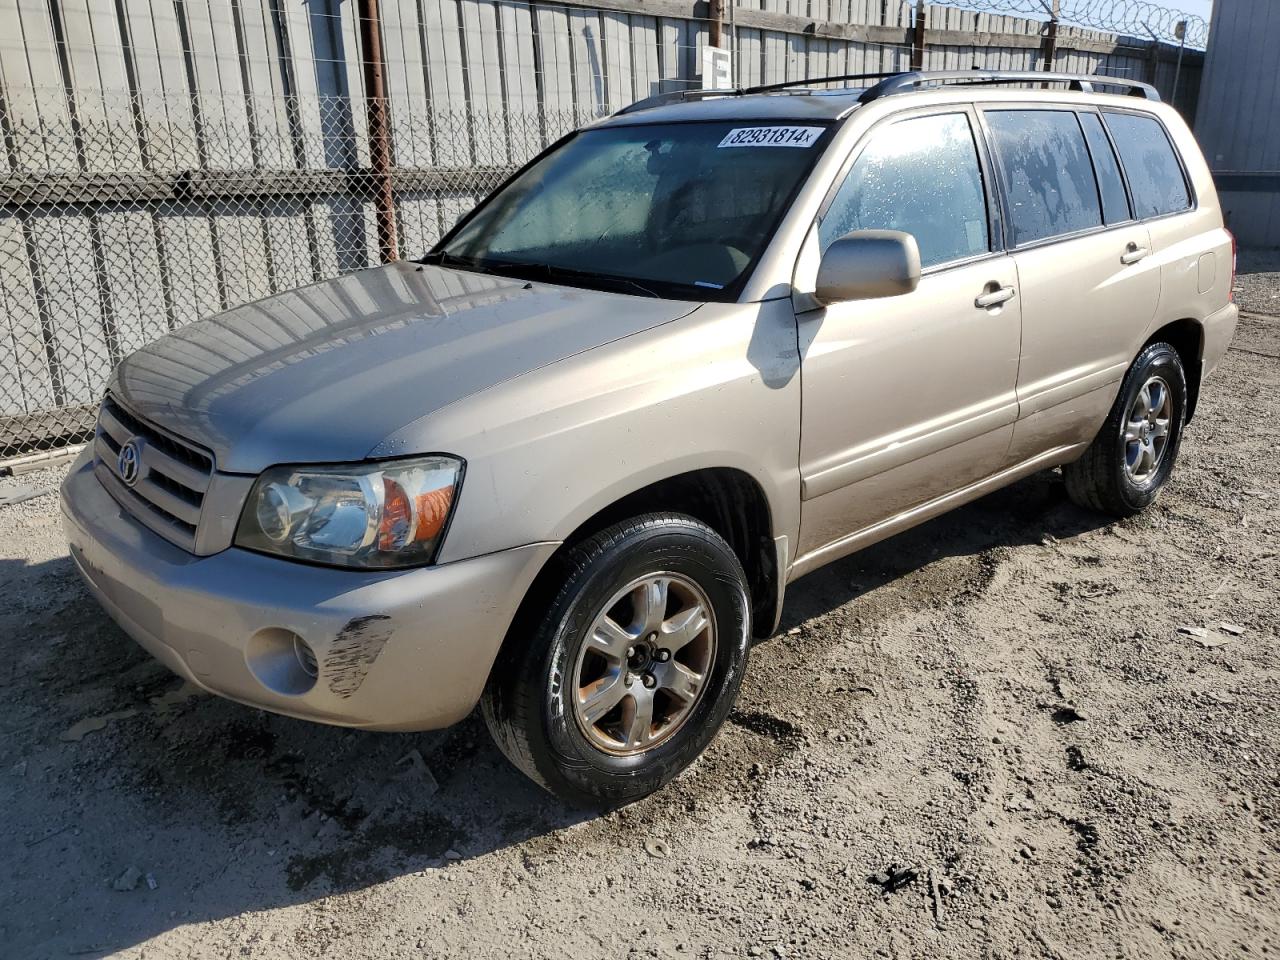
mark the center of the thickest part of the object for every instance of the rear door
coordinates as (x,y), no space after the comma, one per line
(1186,240)
(908,397)
(1085,275)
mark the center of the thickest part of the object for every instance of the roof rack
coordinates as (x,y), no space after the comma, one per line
(908,81)
(679,96)
(788,84)
(915,79)
(676,96)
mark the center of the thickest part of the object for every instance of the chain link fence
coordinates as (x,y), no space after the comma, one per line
(125,215)
(128,218)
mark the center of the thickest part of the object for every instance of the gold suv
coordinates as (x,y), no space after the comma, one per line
(566,464)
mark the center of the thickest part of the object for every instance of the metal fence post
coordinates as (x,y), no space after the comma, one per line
(917,38)
(1153,55)
(715,28)
(1049,49)
(379,135)
(1180,31)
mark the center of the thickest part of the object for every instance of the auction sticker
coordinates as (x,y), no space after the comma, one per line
(772,137)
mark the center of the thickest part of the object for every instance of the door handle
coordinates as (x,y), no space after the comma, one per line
(993,298)
(1133,253)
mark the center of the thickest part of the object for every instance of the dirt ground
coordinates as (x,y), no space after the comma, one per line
(998,706)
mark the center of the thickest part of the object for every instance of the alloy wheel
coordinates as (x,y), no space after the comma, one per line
(644,664)
(1146,431)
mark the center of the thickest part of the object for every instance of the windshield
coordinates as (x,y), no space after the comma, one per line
(675,210)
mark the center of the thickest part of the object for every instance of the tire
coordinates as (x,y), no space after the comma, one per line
(1114,476)
(535,705)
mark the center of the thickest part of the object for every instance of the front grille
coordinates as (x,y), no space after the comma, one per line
(172,475)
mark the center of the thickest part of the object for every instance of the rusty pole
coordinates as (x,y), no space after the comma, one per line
(1153,55)
(714,28)
(1179,31)
(1049,51)
(379,136)
(917,38)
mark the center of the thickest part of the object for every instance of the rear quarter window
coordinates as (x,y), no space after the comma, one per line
(1155,176)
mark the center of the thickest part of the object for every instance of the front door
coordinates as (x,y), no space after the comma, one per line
(906,398)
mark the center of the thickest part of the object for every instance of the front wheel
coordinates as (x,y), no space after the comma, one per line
(616,685)
(1133,454)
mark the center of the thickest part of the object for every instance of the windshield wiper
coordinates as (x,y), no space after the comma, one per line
(567,273)
(442,258)
(525,269)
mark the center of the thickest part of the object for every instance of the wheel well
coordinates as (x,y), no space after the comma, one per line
(729,501)
(1187,337)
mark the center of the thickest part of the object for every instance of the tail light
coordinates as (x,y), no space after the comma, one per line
(1235,249)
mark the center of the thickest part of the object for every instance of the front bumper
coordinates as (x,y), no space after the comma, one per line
(395,650)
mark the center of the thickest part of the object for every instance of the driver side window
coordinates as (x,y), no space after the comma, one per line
(920,176)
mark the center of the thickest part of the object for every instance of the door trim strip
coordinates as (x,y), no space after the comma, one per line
(930,509)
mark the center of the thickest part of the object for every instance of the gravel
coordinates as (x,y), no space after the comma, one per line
(984,738)
(1257,287)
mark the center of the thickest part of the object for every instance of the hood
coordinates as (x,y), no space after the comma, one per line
(324,373)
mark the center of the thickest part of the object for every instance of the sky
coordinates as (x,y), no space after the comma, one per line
(1201,8)
(1126,8)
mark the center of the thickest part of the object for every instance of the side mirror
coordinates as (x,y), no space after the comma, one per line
(866,264)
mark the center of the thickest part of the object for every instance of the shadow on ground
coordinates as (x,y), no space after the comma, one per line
(231,810)
(1025,513)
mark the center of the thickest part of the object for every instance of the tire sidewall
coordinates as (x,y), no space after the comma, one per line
(1159,359)
(709,562)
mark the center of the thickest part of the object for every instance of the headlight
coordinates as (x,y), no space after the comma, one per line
(390,514)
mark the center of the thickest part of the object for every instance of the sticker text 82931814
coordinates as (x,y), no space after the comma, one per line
(772,137)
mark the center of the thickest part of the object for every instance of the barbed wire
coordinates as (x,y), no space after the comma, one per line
(1139,18)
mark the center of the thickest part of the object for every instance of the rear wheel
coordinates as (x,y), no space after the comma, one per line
(1133,454)
(614,686)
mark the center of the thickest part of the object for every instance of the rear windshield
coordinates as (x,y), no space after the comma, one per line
(674,210)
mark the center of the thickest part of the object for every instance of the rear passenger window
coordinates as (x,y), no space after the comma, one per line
(920,176)
(1154,174)
(1115,205)
(1047,173)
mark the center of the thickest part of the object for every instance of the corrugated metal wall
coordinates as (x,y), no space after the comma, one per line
(1238,121)
(166,159)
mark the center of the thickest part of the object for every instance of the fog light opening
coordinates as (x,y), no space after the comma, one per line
(282,661)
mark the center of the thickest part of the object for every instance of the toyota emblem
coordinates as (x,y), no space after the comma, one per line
(129,462)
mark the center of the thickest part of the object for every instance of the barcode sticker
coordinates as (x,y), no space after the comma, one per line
(772,137)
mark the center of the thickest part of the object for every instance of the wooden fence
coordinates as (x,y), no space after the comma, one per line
(166,159)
